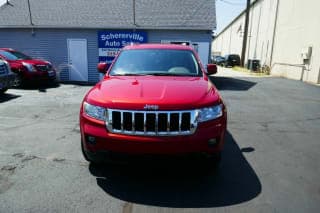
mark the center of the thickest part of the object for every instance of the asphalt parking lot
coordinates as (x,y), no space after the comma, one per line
(271,161)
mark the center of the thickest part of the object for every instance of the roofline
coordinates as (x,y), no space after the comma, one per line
(104,27)
(236,18)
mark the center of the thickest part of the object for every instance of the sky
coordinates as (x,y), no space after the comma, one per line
(226,11)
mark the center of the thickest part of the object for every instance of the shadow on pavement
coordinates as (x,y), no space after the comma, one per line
(79,83)
(228,83)
(40,86)
(182,185)
(7,97)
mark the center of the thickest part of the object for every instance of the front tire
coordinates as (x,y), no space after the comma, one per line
(18,81)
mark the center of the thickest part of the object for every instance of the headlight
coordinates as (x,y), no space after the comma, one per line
(210,113)
(96,112)
(29,67)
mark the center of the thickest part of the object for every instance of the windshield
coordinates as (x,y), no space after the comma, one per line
(156,62)
(13,55)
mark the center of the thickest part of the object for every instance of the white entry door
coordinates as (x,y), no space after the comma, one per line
(77,59)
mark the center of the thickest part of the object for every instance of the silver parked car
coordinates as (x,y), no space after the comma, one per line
(6,76)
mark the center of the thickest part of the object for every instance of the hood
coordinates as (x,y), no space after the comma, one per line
(35,62)
(18,63)
(169,93)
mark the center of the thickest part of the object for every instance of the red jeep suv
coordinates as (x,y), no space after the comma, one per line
(27,69)
(154,99)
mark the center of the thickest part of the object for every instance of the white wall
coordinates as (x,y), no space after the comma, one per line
(230,41)
(262,19)
(298,26)
(260,31)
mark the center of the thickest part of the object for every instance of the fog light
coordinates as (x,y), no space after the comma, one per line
(91,140)
(212,142)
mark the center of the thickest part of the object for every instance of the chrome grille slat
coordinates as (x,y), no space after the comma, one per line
(146,123)
(193,119)
(156,123)
(133,122)
(121,121)
(180,121)
(168,121)
(110,125)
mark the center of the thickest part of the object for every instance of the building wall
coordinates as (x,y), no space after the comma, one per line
(260,32)
(51,44)
(230,41)
(297,27)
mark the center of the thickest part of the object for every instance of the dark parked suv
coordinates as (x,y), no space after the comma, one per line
(232,60)
(6,76)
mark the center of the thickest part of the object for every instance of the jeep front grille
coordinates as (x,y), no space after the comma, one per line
(152,123)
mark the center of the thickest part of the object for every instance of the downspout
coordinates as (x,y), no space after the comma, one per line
(258,30)
(230,39)
(134,12)
(134,15)
(274,33)
(30,18)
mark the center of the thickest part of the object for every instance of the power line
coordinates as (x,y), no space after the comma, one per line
(232,3)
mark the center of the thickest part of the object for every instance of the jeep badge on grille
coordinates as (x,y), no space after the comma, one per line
(151,107)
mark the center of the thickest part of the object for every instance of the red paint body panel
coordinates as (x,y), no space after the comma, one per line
(169,93)
(17,67)
(195,143)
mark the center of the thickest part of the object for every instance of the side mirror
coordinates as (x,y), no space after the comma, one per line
(211,69)
(103,67)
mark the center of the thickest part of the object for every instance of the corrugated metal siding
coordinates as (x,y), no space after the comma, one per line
(155,36)
(51,44)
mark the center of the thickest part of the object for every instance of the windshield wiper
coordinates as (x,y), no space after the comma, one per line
(170,74)
(129,74)
(155,74)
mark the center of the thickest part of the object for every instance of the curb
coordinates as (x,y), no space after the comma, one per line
(244,70)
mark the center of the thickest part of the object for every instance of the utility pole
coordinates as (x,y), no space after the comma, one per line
(245,35)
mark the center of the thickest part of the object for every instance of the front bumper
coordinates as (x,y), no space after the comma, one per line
(133,144)
(7,81)
(39,76)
